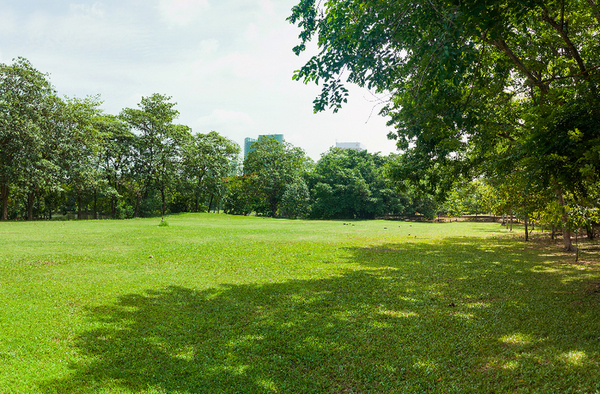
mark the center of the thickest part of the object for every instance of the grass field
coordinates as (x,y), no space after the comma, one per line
(221,304)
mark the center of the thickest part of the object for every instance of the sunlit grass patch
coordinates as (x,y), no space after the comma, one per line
(517,339)
(574,357)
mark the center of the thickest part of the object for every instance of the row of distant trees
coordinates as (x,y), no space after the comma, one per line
(60,155)
(64,155)
(279,180)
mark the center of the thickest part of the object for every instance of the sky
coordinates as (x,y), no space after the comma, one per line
(228,64)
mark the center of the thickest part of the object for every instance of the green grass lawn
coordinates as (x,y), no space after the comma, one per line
(221,304)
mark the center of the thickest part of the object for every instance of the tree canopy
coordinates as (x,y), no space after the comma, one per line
(475,87)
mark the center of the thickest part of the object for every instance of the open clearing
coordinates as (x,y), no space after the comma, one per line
(222,304)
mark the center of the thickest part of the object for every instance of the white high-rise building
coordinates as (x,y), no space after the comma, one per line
(350,145)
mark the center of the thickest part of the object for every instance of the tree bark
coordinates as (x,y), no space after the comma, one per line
(568,245)
(138,200)
(79,207)
(4,194)
(30,201)
(526,228)
(95,205)
(590,232)
(162,197)
(210,203)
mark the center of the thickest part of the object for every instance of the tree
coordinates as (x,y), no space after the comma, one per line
(117,159)
(295,201)
(81,147)
(208,159)
(160,144)
(469,81)
(348,184)
(26,99)
(241,197)
(271,166)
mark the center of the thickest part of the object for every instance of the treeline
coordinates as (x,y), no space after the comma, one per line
(279,180)
(65,156)
(60,155)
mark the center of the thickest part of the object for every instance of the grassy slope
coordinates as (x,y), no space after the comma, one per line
(244,305)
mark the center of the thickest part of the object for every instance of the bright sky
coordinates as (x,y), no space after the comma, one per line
(227,63)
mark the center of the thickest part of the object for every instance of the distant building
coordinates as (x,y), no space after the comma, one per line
(350,145)
(249,141)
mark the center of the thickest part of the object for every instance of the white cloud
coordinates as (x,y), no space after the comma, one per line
(251,32)
(182,12)
(233,65)
(8,22)
(268,7)
(95,10)
(221,117)
(208,47)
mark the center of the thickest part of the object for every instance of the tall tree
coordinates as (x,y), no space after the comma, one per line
(208,159)
(160,144)
(117,158)
(80,148)
(26,100)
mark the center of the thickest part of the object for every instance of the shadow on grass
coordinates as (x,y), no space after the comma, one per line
(457,316)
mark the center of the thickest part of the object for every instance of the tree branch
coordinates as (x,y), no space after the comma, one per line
(501,45)
(572,75)
(546,17)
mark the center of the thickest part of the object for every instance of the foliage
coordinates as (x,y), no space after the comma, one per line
(476,87)
(26,161)
(273,165)
(295,202)
(65,155)
(160,143)
(207,160)
(47,144)
(241,197)
(349,184)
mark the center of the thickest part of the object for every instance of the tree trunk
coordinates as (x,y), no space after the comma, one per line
(4,194)
(95,205)
(49,203)
(162,197)
(526,228)
(210,203)
(590,232)
(274,207)
(79,207)
(138,200)
(30,201)
(568,245)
